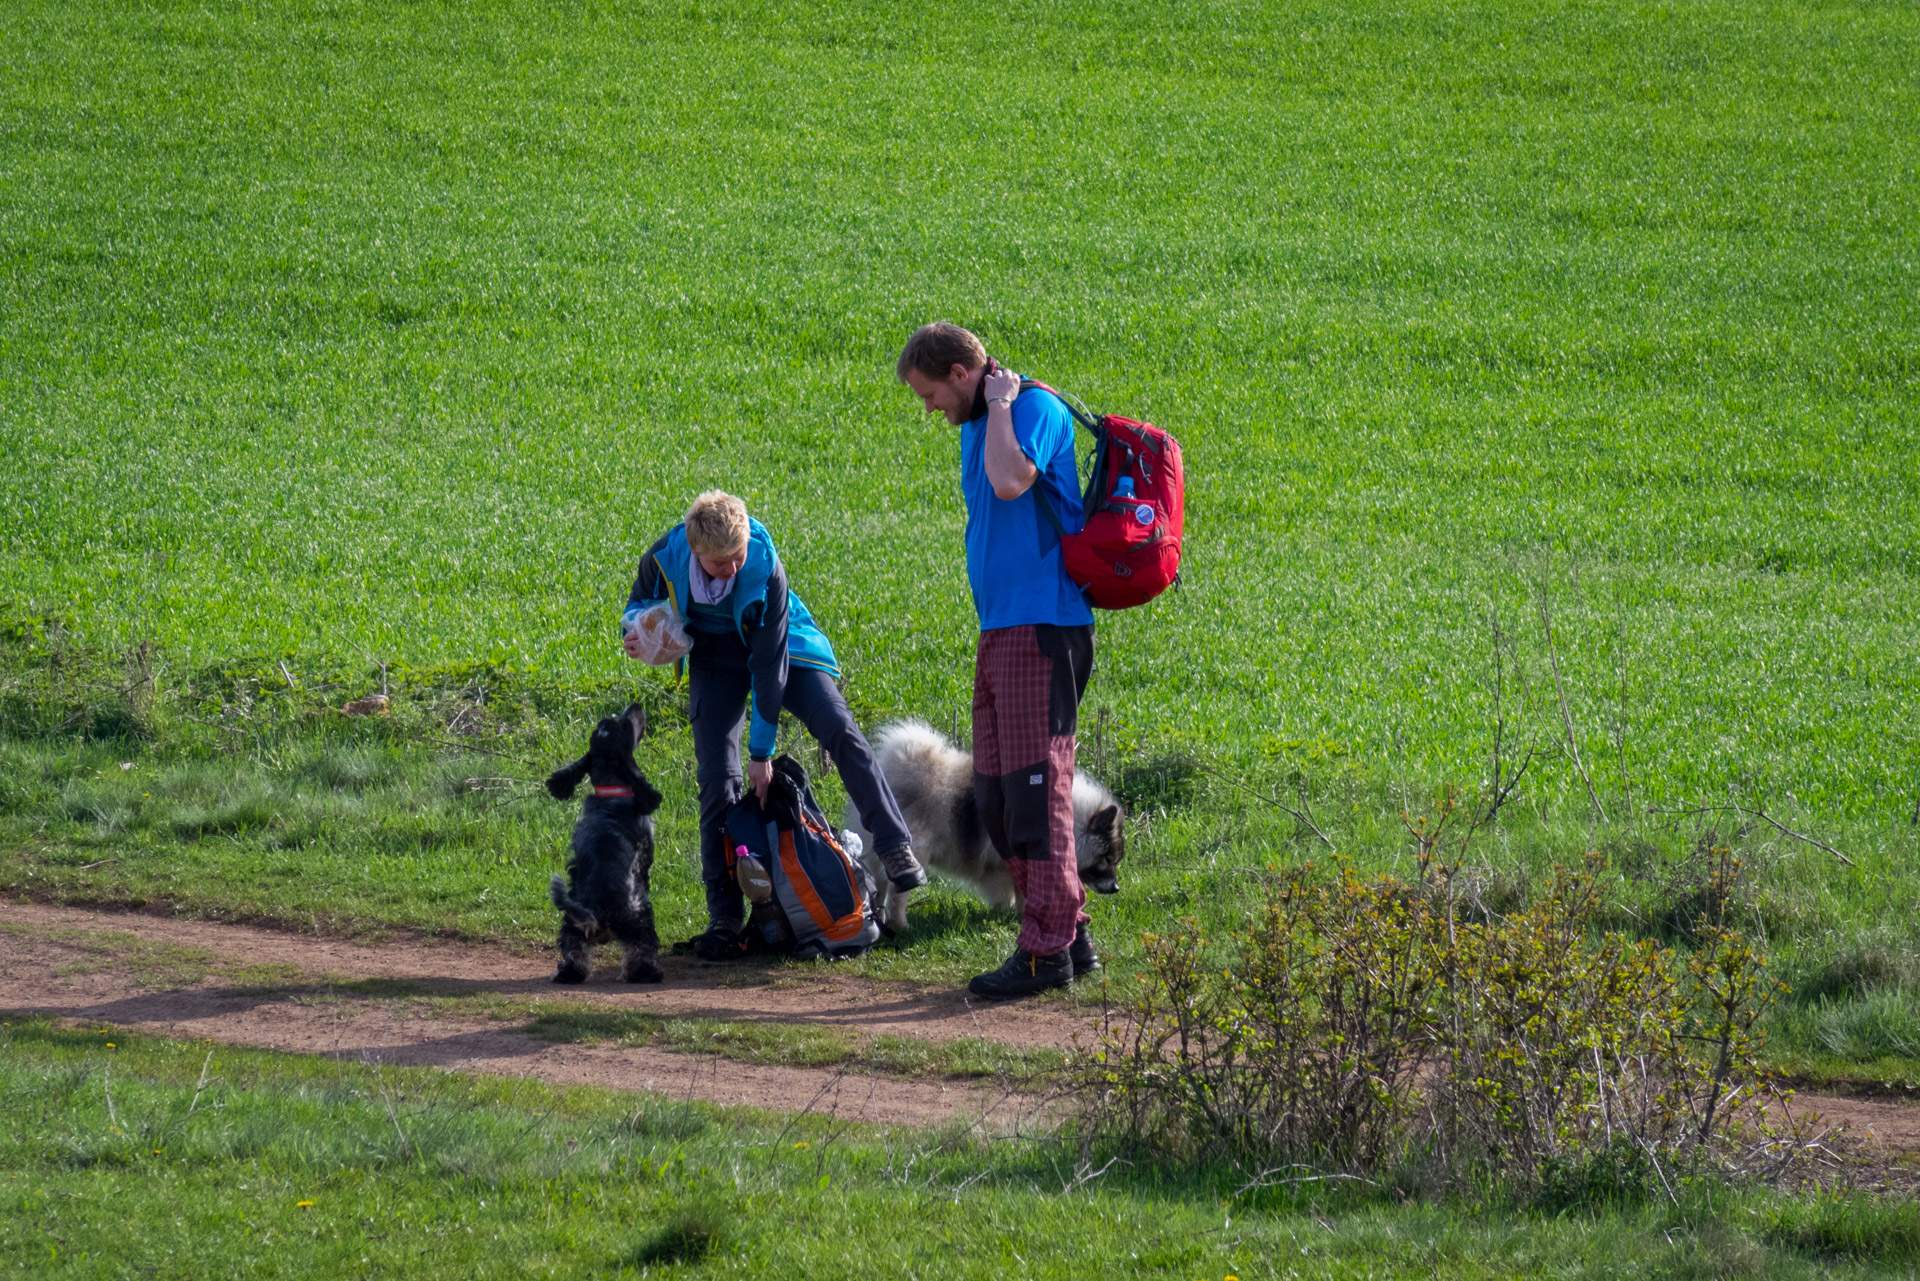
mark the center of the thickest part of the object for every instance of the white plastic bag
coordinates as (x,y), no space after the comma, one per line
(661,636)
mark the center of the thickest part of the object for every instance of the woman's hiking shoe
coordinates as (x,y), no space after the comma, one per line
(1080,951)
(721,941)
(1023,975)
(903,869)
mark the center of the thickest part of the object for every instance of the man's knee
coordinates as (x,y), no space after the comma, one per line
(1015,812)
(990,801)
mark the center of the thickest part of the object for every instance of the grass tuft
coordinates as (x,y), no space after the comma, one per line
(1850,1226)
(689,1236)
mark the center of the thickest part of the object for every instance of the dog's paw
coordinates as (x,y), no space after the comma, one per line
(569,974)
(645,973)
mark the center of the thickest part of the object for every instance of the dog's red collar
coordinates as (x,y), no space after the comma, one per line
(612,791)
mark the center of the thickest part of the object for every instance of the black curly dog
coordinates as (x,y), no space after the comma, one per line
(612,855)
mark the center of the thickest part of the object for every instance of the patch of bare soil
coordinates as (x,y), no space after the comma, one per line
(246,986)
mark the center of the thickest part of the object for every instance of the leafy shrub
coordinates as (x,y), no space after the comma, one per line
(1358,1023)
(1621,1174)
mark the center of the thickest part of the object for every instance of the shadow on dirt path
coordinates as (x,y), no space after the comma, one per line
(465,1007)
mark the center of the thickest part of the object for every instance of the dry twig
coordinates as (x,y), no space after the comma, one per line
(1298,815)
(201,1087)
(1764,818)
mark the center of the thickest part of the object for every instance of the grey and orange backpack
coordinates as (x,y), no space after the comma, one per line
(822,894)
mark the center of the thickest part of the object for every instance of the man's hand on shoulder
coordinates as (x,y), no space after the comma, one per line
(1008,468)
(1001,384)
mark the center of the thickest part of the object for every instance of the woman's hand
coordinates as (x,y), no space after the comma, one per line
(760,777)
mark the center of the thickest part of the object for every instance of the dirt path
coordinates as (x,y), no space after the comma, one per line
(388,1003)
(245,986)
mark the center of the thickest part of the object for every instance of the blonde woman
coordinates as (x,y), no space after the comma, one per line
(756,651)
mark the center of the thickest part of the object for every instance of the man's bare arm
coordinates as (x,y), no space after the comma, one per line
(1010,470)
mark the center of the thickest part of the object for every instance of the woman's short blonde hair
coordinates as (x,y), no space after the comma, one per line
(717,525)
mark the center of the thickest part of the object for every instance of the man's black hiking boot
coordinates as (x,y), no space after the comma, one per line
(1023,975)
(1080,952)
(721,941)
(903,869)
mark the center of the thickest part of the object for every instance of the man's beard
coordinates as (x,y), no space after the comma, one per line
(979,408)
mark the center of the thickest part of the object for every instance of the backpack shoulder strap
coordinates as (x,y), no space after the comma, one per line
(1040,490)
(1080,414)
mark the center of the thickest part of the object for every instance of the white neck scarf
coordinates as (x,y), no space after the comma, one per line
(706,590)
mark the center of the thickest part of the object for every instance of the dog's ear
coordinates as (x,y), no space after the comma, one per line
(1107,823)
(561,782)
(645,799)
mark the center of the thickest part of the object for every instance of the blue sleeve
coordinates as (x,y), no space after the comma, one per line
(1041,427)
(762,734)
(648,586)
(767,660)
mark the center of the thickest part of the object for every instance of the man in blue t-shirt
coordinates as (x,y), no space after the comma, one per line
(1036,640)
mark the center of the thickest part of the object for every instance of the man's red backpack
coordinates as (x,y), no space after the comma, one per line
(1128,551)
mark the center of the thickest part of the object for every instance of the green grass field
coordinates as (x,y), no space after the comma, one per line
(131,1156)
(342,336)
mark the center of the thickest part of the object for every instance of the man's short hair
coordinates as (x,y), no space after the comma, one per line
(935,349)
(717,525)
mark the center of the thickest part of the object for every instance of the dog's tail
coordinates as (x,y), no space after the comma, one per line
(572,910)
(899,742)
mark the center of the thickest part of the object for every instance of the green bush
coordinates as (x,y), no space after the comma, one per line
(1364,1023)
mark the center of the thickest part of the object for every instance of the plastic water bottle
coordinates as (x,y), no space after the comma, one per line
(753,878)
(1123,490)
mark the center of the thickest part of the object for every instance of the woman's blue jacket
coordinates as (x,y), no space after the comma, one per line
(772,621)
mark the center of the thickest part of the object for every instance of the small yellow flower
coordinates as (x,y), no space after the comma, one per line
(112,1046)
(303,1205)
(802,1145)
